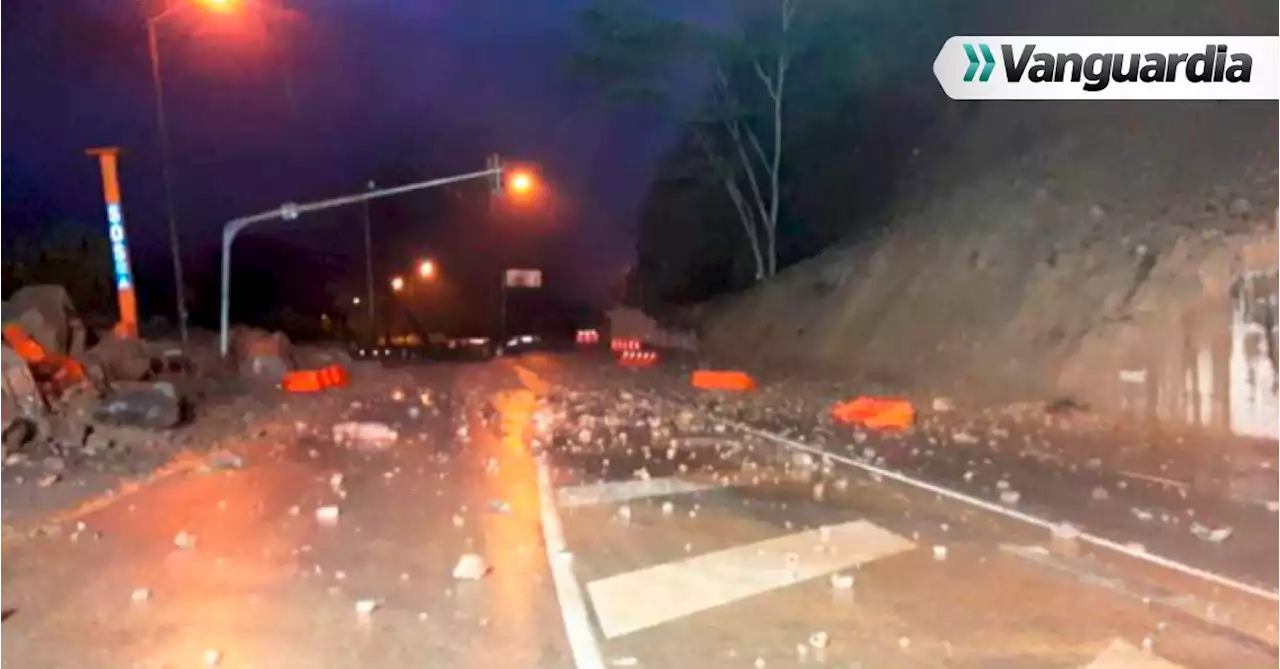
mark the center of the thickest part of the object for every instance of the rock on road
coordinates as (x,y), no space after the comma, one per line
(266,577)
(687,544)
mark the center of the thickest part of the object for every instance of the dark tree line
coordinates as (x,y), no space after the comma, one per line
(794,117)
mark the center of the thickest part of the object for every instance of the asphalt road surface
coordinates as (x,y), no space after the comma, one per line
(616,527)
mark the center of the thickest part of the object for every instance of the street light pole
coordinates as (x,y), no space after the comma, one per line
(291,210)
(166,173)
(368,268)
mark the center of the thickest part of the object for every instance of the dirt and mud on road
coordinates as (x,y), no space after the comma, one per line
(550,511)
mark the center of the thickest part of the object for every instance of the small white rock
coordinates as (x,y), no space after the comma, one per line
(366,606)
(819,639)
(470,567)
(1010,497)
(141,594)
(939,553)
(1065,532)
(327,515)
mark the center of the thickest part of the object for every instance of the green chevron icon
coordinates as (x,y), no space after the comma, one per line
(987,57)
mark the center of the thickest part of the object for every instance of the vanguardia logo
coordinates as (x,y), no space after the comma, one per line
(1059,68)
(988,62)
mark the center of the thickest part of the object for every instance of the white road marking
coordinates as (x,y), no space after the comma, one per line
(1093,539)
(573,606)
(647,597)
(1120,655)
(623,491)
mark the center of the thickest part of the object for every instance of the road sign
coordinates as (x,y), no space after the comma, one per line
(125,294)
(523,278)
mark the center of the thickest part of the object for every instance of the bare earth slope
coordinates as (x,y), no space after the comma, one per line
(1122,254)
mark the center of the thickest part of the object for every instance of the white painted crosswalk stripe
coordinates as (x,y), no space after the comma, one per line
(1120,655)
(644,598)
(609,492)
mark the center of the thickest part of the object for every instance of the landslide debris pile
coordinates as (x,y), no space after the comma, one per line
(1119,236)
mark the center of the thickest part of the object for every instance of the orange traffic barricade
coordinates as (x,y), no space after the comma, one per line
(708,379)
(880,413)
(315,380)
(27,348)
(304,381)
(336,376)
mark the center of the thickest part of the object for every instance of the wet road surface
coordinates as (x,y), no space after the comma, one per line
(266,584)
(686,543)
(702,543)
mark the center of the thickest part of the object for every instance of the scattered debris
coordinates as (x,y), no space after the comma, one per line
(964,437)
(1065,532)
(819,639)
(499,506)
(224,460)
(365,436)
(943,405)
(471,567)
(1216,535)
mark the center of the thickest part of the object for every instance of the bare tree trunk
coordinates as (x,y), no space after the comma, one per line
(775,84)
(745,215)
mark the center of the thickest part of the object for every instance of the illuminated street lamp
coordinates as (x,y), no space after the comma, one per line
(426,269)
(397,284)
(356,300)
(521,182)
(162,130)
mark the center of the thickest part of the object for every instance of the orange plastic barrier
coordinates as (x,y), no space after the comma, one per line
(338,376)
(706,379)
(315,380)
(26,347)
(61,371)
(880,413)
(304,381)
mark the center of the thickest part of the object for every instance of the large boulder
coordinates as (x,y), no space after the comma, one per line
(145,405)
(261,355)
(122,359)
(23,406)
(46,313)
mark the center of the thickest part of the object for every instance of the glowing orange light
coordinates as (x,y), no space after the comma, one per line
(521,182)
(397,284)
(426,269)
(219,6)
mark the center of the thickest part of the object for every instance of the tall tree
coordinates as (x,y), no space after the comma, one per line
(740,127)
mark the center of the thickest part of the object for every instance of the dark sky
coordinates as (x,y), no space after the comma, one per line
(264,109)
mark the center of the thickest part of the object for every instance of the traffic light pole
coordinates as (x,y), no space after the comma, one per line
(292,210)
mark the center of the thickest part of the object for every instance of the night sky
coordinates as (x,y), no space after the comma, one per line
(265,107)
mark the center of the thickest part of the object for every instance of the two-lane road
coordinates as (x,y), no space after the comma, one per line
(675,542)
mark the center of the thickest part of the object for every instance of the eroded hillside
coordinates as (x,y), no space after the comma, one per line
(1123,254)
